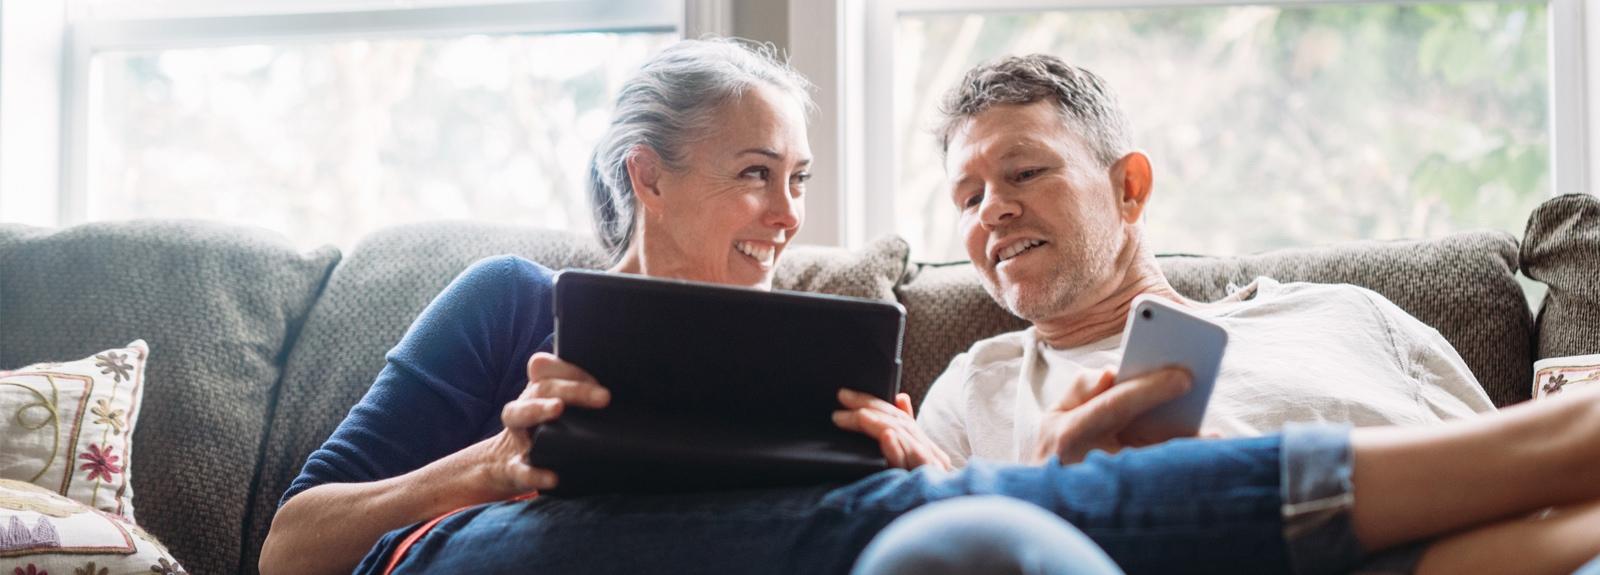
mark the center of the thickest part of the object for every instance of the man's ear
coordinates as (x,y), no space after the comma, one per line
(644,172)
(1131,180)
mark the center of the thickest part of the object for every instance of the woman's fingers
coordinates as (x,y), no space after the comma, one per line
(545,364)
(576,392)
(548,376)
(526,413)
(527,477)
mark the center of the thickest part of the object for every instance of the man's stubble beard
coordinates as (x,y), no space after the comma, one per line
(1083,264)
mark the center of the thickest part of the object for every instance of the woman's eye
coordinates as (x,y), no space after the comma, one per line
(802,177)
(1029,173)
(758,172)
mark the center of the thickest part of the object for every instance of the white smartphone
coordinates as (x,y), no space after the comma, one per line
(1159,335)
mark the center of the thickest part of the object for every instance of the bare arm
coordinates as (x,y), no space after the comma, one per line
(330,527)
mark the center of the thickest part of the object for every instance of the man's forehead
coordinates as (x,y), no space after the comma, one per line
(999,143)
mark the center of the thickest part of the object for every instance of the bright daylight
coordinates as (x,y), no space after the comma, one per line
(1077,287)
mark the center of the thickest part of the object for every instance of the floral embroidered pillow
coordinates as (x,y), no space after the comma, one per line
(42,532)
(68,427)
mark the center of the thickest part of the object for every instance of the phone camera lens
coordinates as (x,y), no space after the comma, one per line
(1145,313)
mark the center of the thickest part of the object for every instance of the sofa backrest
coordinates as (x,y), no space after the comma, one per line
(373,296)
(217,305)
(1562,249)
(1463,285)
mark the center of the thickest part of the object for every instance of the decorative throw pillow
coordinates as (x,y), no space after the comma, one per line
(42,532)
(68,427)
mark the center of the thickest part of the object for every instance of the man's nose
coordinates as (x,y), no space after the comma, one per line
(998,207)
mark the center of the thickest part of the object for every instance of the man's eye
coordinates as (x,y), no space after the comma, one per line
(973,200)
(1029,173)
(802,177)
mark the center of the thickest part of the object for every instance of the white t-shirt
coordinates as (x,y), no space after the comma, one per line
(1297,352)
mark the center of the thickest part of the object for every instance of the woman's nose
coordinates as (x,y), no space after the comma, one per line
(784,209)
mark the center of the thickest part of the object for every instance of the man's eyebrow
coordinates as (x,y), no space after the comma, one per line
(961,181)
(1020,148)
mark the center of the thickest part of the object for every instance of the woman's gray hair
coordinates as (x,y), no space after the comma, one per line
(671,102)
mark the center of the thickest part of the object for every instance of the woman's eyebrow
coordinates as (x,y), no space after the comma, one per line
(768,152)
(771,153)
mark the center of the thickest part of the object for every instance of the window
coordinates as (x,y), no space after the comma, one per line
(330,137)
(1270,126)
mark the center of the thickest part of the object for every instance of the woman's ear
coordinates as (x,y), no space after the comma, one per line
(644,172)
(1131,179)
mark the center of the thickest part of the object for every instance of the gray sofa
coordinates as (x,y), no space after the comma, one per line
(258,350)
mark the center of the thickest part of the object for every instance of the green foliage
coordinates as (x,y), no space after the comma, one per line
(1278,126)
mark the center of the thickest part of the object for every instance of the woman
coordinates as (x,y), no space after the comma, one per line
(700,177)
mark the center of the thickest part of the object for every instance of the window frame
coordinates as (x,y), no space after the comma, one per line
(866,91)
(85,39)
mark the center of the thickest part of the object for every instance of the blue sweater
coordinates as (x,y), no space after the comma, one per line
(444,384)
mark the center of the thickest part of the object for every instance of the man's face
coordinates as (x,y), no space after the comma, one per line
(1039,216)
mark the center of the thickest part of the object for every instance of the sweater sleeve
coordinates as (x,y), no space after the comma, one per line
(443,385)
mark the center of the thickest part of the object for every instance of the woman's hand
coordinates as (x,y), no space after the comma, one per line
(894,426)
(552,386)
(1094,414)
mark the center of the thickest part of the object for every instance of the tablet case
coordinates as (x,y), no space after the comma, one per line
(714,387)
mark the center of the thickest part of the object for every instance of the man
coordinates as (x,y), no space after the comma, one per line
(1051,197)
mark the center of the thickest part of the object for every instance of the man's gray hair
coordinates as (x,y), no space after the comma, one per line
(1083,99)
(671,102)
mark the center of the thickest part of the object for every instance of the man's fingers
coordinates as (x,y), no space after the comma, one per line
(853,399)
(1113,410)
(1087,387)
(892,449)
(903,401)
(525,413)
(846,420)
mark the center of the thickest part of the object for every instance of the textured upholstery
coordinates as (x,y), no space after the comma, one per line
(387,280)
(1562,249)
(1462,285)
(216,304)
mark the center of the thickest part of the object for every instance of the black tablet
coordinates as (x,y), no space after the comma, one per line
(714,387)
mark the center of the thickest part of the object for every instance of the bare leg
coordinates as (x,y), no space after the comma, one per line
(1557,543)
(1413,483)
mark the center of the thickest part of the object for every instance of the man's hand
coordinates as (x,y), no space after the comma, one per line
(1094,414)
(894,426)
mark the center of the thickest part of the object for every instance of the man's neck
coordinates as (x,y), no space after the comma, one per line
(1085,324)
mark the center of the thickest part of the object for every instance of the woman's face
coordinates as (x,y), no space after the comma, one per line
(737,201)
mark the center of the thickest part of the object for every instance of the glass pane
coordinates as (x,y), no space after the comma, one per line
(329,141)
(1272,126)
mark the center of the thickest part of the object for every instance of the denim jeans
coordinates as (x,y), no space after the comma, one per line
(1185,506)
(1590,568)
(982,535)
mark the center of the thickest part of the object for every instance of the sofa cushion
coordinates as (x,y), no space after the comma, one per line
(67,426)
(1562,249)
(1463,285)
(42,532)
(392,275)
(217,304)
